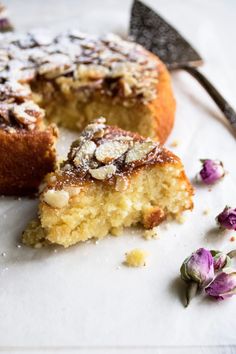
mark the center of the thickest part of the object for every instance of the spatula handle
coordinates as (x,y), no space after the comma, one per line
(223,105)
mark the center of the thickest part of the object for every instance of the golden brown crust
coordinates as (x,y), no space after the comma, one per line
(153,217)
(25,158)
(164,105)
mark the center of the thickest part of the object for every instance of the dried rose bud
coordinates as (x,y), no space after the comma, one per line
(211,172)
(227,218)
(223,286)
(220,260)
(5,24)
(197,271)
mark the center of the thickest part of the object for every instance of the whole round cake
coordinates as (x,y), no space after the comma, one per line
(70,79)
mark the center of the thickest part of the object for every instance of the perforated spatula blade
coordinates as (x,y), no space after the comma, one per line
(155,34)
(158,36)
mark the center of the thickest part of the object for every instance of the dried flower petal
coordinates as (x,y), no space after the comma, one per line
(223,286)
(220,260)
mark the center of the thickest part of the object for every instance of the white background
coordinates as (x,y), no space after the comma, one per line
(83,298)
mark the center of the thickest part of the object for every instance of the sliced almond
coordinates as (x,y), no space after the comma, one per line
(139,151)
(27,112)
(103,172)
(53,70)
(110,151)
(56,199)
(84,153)
(95,129)
(91,72)
(124,138)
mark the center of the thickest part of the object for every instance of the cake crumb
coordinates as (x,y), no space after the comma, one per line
(116,231)
(136,258)
(151,234)
(206,211)
(38,245)
(181,219)
(34,235)
(232,238)
(175,143)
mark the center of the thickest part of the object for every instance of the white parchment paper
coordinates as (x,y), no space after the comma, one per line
(84,296)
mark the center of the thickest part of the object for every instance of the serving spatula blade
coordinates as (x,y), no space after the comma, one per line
(157,35)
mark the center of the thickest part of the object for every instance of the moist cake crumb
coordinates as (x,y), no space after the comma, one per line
(34,234)
(151,234)
(136,258)
(181,219)
(206,211)
(175,143)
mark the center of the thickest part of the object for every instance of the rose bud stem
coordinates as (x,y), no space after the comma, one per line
(232,254)
(191,292)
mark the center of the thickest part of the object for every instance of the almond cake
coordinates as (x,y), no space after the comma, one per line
(72,78)
(111,179)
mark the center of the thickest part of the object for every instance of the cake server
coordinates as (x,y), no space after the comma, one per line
(158,36)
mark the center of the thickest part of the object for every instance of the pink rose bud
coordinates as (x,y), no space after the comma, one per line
(197,271)
(220,260)
(5,24)
(223,286)
(227,218)
(211,172)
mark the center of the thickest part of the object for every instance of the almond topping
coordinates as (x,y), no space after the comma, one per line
(103,172)
(110,151)
(56,199)
(27,112)
(85,152)
(139,151)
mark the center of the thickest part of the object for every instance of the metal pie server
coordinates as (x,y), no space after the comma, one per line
(155,34)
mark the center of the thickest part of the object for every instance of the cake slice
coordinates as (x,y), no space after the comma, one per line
(111,179)
(27,148)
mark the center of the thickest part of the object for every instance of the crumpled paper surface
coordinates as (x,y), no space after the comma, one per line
(84,296)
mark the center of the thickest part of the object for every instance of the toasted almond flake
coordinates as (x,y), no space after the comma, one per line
(56,199)
(27,112)
(92,72)
(85,152)
(103,172)
(110,151)
(139,151)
